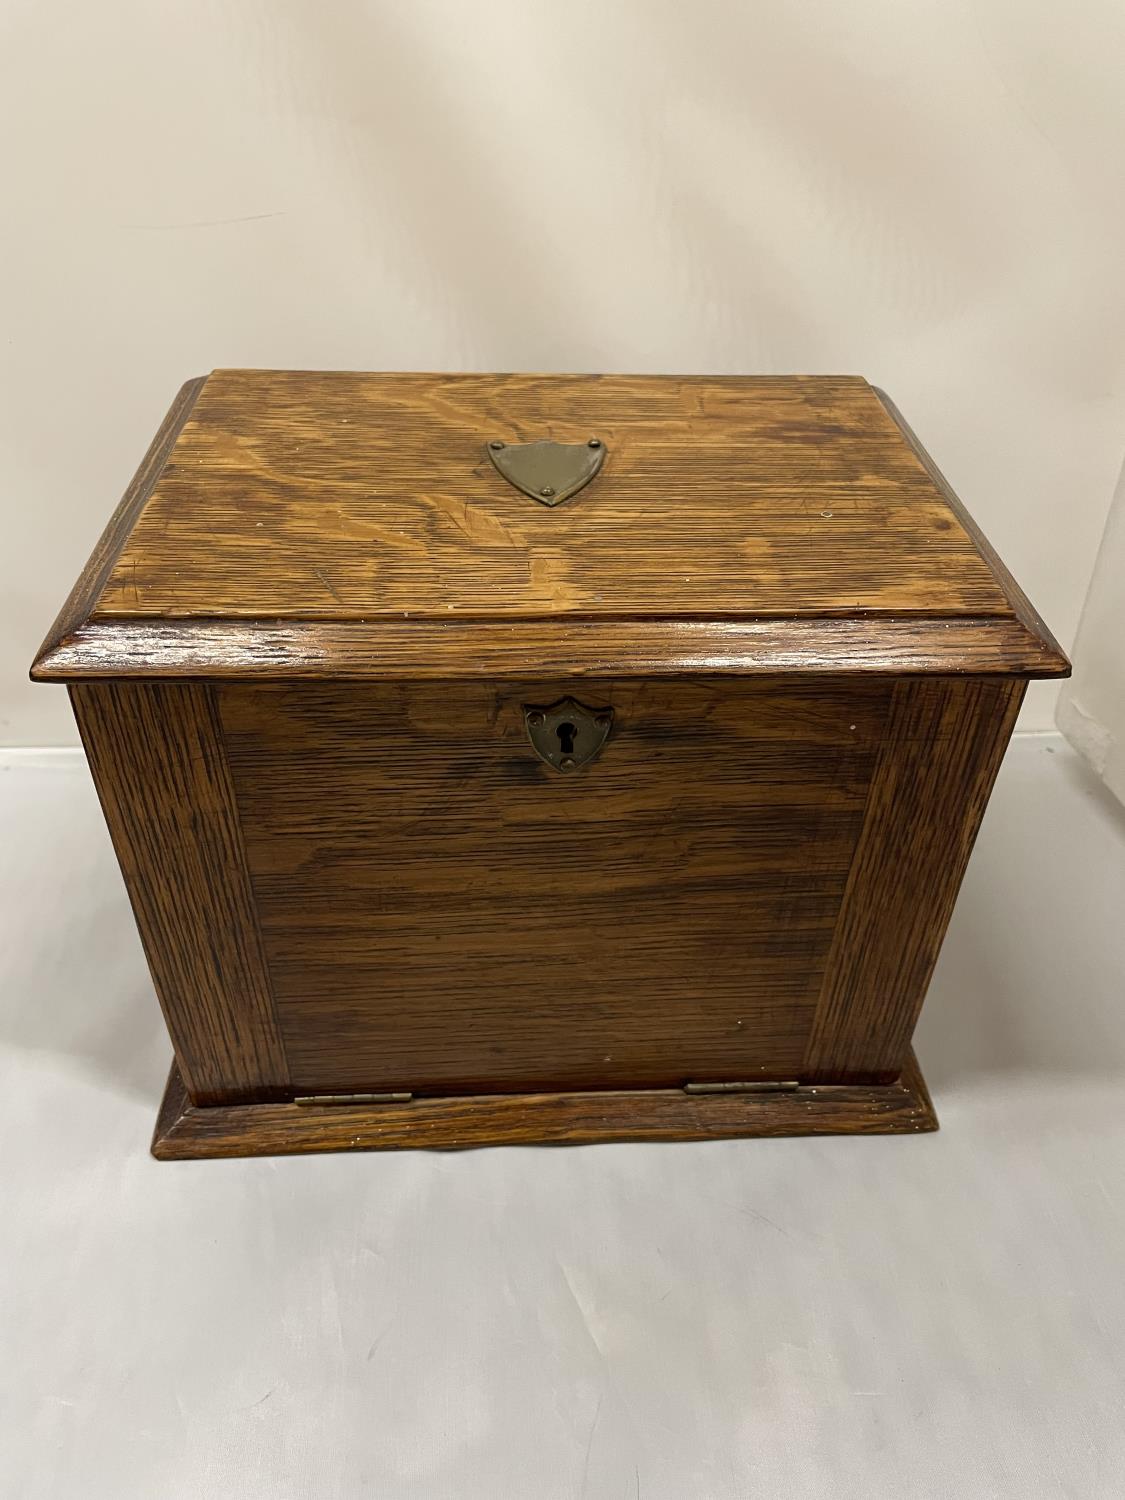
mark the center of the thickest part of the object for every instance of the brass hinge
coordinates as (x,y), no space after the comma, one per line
(758,1086)
(353,1098)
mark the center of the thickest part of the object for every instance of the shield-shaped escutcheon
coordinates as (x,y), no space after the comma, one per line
(567,735)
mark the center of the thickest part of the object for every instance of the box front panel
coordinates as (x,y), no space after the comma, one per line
(443,912)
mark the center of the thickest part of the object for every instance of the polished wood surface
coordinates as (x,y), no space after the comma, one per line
(943,746)
(328,525)
(159,764)
(266,650)
(300,494)
(442,911)
(184,1132)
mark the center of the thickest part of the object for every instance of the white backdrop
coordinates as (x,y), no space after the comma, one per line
(930,194)
(1091,709)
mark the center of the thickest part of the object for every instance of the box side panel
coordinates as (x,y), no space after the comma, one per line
(161,772)
(444,913)
(945,740)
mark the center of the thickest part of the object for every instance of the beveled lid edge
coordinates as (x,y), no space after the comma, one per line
(83,597)
(1022,607)
(276,650)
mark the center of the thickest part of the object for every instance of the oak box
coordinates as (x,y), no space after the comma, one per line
(540,758)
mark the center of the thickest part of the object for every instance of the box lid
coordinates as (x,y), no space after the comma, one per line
(294,522)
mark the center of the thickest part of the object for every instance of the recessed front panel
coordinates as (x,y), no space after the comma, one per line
(445,911)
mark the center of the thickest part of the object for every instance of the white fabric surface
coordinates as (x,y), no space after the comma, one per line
(930,1317)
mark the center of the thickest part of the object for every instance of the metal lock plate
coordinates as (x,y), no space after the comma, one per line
(568,734)
(548,472)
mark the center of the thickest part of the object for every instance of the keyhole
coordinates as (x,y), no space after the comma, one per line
(566,733)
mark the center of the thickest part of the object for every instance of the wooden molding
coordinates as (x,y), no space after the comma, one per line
(271,650)
(184,1132)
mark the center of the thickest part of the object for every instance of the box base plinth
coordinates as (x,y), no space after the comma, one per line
(184,1132)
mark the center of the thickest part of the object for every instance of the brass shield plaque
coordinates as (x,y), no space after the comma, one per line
(549,472)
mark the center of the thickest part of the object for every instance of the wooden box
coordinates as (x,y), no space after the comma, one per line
(540,758)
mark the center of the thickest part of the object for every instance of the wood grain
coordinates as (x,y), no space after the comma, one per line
(944,744)
(443,912)
(336,495)
(299,659)
(422,650)
(159,765)
(184,1132)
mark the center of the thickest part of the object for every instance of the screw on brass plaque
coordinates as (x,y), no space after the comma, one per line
(547,472)
(568,734)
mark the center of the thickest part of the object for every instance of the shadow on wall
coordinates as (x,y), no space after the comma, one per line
(1029,980)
